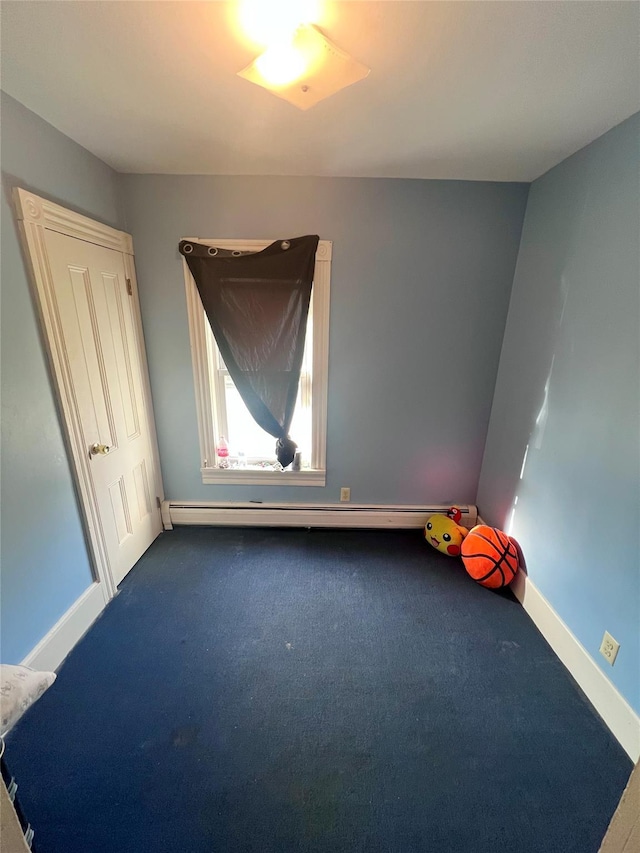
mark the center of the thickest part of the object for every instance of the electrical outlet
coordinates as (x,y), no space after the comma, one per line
(345,494)
(609,648)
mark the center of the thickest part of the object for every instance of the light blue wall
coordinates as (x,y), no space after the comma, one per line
(421,277)
(568,389)
(45,566)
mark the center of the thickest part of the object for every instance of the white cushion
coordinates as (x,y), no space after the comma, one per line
(19,689)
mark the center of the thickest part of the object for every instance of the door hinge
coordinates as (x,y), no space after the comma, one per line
(129,288)
(158,502)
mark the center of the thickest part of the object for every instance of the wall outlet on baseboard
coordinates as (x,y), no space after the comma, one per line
(345,494)
(609,648)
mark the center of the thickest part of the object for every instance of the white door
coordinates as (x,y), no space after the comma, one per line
(97,322)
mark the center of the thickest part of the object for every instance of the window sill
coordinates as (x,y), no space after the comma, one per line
(240,477)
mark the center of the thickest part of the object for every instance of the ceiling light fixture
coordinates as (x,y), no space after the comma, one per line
(306,69)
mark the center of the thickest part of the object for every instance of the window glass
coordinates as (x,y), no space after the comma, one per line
(247,441)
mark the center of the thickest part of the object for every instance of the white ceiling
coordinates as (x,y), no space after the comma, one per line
(466,90)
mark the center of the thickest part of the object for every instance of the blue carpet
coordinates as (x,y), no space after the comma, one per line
(267,691)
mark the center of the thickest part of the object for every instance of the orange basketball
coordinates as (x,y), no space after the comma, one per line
(490,556)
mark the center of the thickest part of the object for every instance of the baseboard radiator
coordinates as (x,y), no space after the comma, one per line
(255,514)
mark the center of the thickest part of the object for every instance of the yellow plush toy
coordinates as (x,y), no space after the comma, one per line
(444,532)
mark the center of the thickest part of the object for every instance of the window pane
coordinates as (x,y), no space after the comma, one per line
(244,434)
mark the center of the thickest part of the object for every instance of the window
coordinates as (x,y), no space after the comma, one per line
(221,410)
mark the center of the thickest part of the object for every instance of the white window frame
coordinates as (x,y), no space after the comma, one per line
(204,371)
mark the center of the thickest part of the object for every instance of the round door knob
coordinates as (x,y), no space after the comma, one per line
(99,449)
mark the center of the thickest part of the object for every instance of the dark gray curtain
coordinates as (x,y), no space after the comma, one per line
(257,304)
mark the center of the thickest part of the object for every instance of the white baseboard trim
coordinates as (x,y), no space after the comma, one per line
(54,647)
(616,712)
(305,515)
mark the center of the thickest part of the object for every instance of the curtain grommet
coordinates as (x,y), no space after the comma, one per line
(236,253)
(187,248)
(286,244)
(212,251)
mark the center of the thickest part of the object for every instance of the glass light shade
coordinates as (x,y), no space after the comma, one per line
(307,70)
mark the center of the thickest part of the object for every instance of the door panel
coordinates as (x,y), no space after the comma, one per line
(96,320)
(130,390)
(142,489)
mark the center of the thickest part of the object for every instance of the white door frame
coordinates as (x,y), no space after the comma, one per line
(35,216)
